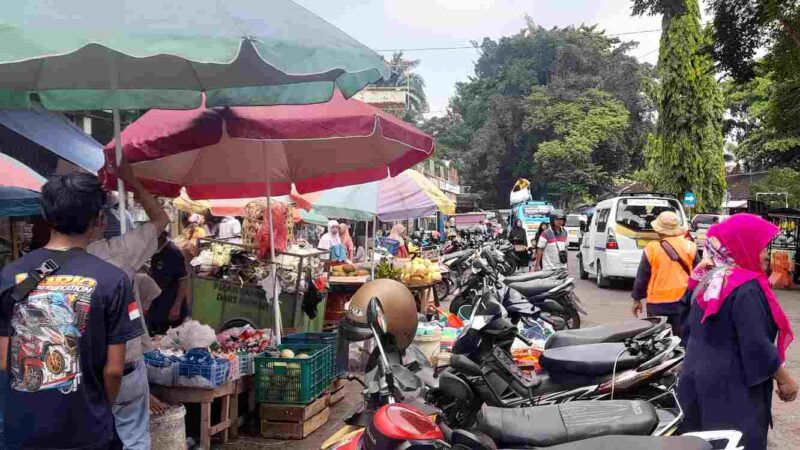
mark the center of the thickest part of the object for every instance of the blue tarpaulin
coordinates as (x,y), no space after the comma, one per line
(17,202)
(38,138)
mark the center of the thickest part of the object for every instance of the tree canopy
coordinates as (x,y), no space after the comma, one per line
(686,152)
(542,95)
(403,76)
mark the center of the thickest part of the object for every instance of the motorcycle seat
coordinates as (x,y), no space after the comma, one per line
(590,359)
(534,287)
(610,332)
(637,443)
(545,426)
(527,276)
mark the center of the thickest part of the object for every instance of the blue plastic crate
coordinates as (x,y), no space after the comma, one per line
(390,245)
(336,356)
(161,369)
(201,370)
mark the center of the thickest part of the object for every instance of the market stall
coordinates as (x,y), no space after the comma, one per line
(784,248)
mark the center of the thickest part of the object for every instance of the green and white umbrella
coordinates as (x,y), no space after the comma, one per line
(139,54)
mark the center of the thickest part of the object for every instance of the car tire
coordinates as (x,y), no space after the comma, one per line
(582,273)
(572,320)
(602,281)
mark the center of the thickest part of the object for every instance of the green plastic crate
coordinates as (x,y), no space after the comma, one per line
(328,339)
(293,380)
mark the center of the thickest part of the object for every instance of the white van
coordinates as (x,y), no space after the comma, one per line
(619,230)
(573,227)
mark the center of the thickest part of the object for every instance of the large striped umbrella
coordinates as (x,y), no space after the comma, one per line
(409,195)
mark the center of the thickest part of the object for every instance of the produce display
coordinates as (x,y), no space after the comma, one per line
(348,270)
(385,269)
(421,271)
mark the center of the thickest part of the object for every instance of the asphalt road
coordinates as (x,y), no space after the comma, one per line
(603,305)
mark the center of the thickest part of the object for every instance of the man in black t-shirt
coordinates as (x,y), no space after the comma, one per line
(168,269)
(63,346)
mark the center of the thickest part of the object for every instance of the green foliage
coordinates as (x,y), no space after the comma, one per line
(488,133)
(574,128)
(687,153)
(779,180)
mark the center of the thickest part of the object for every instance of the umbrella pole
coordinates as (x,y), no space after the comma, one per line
(120,185)
(276,306)
(374,236)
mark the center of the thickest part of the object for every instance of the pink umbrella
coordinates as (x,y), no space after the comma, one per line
(236,152)
(16,174)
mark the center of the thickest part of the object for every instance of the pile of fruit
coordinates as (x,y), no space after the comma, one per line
(348,270)
(421,271)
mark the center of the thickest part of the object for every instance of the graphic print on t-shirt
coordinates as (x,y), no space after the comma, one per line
(47,329)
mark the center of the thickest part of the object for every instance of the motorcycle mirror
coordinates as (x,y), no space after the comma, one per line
(375,316)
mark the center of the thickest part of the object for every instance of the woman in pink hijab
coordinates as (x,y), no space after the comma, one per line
(736,335)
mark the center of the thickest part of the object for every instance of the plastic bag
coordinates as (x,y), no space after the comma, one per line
(192,334)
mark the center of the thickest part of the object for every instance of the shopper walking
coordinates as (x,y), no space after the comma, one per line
(664,270)
(732,356)
(551,248)
(519,239)
(90,314)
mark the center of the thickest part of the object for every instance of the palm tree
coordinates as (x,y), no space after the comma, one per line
(403,76)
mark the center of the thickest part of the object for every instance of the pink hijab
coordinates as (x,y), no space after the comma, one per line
(734,247)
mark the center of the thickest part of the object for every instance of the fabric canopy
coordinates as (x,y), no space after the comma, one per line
(407,196)
(17,202)
(16,174)
(136,54)
(40,139)
(233,152)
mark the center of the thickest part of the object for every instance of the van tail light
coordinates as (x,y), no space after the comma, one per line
(611,242)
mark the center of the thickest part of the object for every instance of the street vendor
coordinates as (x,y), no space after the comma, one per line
(347,241)
(332,242)
(168,269)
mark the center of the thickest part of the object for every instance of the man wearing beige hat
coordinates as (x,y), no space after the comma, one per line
(664,271)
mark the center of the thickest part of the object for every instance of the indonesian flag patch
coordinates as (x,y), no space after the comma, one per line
(133,310)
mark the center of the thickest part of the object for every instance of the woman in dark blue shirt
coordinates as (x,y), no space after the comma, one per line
(731,355)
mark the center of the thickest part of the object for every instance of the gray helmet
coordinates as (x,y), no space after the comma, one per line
(558,214)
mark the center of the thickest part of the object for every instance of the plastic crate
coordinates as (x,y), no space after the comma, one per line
(330,340)
(234,371)
(293,380)
(390,245)
(247,364)
(199,369)
(161,370)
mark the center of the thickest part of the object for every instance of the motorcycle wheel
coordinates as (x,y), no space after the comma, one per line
(573,320)
(443,288)
(55,362)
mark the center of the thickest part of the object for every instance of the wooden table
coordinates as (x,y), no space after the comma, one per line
(422,293)
(228,394)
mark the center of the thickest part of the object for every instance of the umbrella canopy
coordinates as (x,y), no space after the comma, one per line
(16,174)
(236,207)
(17,202)
(234,152)
(135,54)
(407,196)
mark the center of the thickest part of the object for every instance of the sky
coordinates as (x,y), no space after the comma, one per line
(414,24)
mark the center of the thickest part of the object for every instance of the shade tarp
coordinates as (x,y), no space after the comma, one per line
(18,202)
(234,152)
(40,138)
(164,53)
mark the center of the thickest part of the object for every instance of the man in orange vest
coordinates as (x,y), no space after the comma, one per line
(664,271)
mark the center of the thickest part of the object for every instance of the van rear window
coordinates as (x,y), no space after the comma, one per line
(637,213)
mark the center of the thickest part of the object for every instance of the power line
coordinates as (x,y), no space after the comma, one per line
(465,47)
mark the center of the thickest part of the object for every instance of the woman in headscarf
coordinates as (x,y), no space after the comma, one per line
(732,356)
(332,241)
(398,232)
(347,241)
(519,239)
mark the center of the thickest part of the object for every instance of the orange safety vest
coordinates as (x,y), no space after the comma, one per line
(668,280)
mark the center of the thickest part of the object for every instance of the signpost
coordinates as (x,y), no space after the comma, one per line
(689,200)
